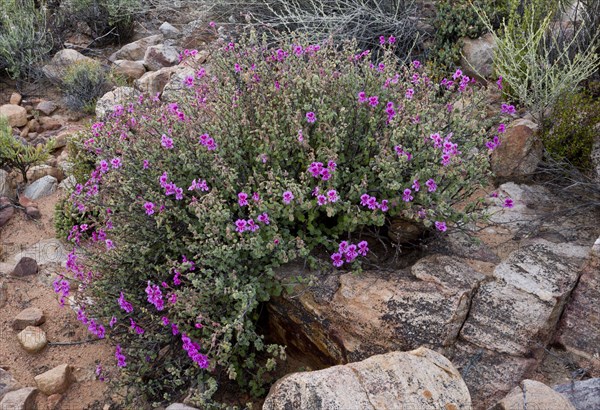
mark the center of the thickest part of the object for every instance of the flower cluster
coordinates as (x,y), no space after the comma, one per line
(318,170)
(348,252)
(370,202)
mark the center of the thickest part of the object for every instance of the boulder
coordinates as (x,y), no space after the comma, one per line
(418,379)
(28,317)
(520,150)
(50,124)
(22,399)
(32,339)
(130,70)
(15,114)
(530,201)
(154,82)
(7,383)
(180,406)
(174,86)
(40,188)
(530,394)
(46,107)
(45,252)
(119,96)
(583,394)
(62,60)
(136,50)
(25,267)
(6,189)
(40,171)
(15,99)
(477,60)
(56,380)
(349,317)
(168,30)
(159,56)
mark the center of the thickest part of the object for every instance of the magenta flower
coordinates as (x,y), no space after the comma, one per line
(337,259)
(124,304)
(116,163)
(243,199)
(311,117)
(240,225)
(373,101)
(406,196)
(501,128)
(146,164)
(113,321)
(362,97)
(508,203)
(416,64)
(382,40)
(332,195)
(494,194)
(174,329)
(325,174)
(431,185)
(364,199)
(189,81)
(155,296)
(363,248)
(164,320)
(264,218)
(252,226)
(103,166)
(392,39)
(255,197)
(384,205)
(440,226)
(499,83)
(409,94)
(149,207)
(237,68)
(416,186)
(457,74)
(287,197)
(120,357)
(109,244)
(508,109)
(372,203)
(343,247)
(166,142)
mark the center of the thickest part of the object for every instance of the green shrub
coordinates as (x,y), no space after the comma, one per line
(200,200)
(83,83)
(24,39)
(570,132)
(17,155)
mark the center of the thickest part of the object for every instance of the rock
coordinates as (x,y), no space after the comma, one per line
(3,295)
(7,383)
(530,394)
(53,401)
(32,339)
(45,252)
(418,379)
(350,317)
(46,107)
(33,212)
(579,328)
(28,317)
(6,189)
(595,158)
(517,313)
(155,81)
(136,50)
(49,124)
(15,114)
(174,87)
(55,381)
(25,267)
(520,151)
(42,187)
(22,399)
(6,211)
(130,70)
(180,406)
(159,56)
(15,99)
(68,183)
(583,395)
(477,60)
(168,30)
(197,34)
(119,96)
(403,231)
(40,171)
(529,204)
(62,60)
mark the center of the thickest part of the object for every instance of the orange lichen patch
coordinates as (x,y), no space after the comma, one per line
(427,394)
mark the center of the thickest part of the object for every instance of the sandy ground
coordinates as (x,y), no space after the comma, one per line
(61,323)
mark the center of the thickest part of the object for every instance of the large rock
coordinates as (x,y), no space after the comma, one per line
(530,394)
(25,267)
(56,380)
(130,70)
(28,317)
(22,399)
(7,383)
(175,87)
(15,114)
(45,252)
(517,313)
(478,56)
(155,81)
(168,30)
(584,394)
(530,202)
(136,50)
(180,406)
(350,317)
(417,379)
(62,60)
(159,56)
(32,339)
(40,171)
(46,107)
(42,187)
(119,96)
(520,151)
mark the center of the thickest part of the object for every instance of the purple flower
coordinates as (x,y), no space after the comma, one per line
(501,128)
(311,117)
(164,320)
(337,259)
(252,226)
(189,81)
(287,197)
(112,322)
(243,199)
(124,304)
(332,195)
(321,200)
(494,194)
(166,142)
(431,185)
(146,164)
(240,225)
(174,329)
(109,244)
(363,248)
(343,247)
(120,357)
(406,196)
(457,74)
(508,109)
(103,166)
(373,101)
(508,203)
(416,186)
(382,40)
(149,207)
(499,83)
(264,218)
(384,205)
(416,64)
(255,197)
(116,163)
(392,39)
(440,226)
(372,203)
(362,97)
(155,296)
(331,165)
(409,94)
(237,67)
(364,199)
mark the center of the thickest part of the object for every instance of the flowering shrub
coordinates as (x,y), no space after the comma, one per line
(271,153)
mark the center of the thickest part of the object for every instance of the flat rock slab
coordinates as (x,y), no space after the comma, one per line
(7,383)
(417,379)
(32,339)
(22,399)
(55,380)
(44,252)
(40,188)
(583,395)
(28,317)
(531,394)
(25,267)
